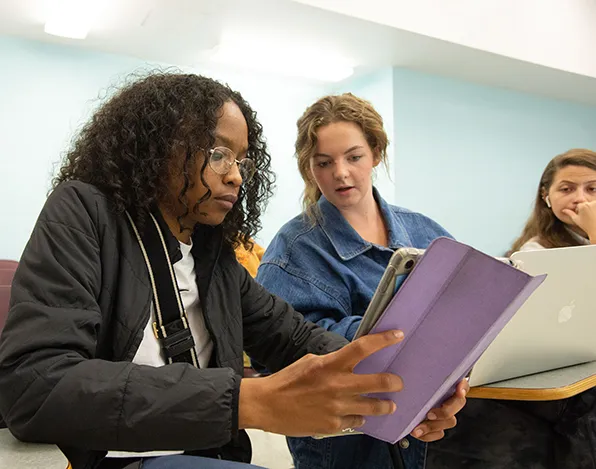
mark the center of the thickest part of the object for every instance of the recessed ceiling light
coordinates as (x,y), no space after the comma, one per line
(69,18)
(286,60)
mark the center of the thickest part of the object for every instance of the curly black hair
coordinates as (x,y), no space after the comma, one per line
(126,148)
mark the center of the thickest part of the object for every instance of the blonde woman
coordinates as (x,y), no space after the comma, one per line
(328,261)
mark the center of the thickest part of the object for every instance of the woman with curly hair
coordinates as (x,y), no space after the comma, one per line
(159,187)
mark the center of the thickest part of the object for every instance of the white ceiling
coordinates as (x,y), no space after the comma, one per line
(183,32)
(553,33)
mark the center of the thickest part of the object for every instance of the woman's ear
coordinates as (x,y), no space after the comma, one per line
(546,198)
(376,157)
(547,201)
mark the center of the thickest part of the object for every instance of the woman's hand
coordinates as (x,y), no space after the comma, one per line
(585,218)
(320,395)
(443,418)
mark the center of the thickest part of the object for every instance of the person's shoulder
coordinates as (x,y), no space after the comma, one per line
(411,217)
(532,244)
(76,192)
(299,227)
(292,236)
(78,205)
(404,212)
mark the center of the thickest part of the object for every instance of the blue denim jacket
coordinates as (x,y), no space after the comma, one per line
(329,273)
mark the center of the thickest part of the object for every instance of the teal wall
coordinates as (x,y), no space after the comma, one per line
(470,156)
(48,91)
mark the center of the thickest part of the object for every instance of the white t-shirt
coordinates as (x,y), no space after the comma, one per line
(150,353)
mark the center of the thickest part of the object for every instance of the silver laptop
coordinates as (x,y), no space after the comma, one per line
(556,327)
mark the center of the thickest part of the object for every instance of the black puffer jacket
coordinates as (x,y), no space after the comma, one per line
(80,301)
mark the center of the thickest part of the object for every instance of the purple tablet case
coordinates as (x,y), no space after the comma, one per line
(451,307)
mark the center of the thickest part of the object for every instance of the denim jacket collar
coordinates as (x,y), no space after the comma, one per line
(346,241)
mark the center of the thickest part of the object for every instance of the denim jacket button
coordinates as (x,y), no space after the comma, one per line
(404,444)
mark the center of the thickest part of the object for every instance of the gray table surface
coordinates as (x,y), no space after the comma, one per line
(19,455)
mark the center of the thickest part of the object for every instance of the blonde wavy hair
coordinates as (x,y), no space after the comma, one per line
(329,109)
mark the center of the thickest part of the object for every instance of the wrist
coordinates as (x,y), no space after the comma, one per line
(251,403)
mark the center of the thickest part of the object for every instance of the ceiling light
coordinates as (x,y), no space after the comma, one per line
(285,60)
(69,18)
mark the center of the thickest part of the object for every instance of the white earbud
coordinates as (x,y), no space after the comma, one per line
(547,200)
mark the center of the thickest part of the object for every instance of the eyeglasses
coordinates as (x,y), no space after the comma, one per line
(221,160)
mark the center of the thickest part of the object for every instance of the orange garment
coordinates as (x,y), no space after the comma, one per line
(250,260)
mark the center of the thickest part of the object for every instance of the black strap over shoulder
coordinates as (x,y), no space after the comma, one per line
(171,326)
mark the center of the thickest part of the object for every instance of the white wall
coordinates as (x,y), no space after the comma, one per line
(554,33)
(48,91)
